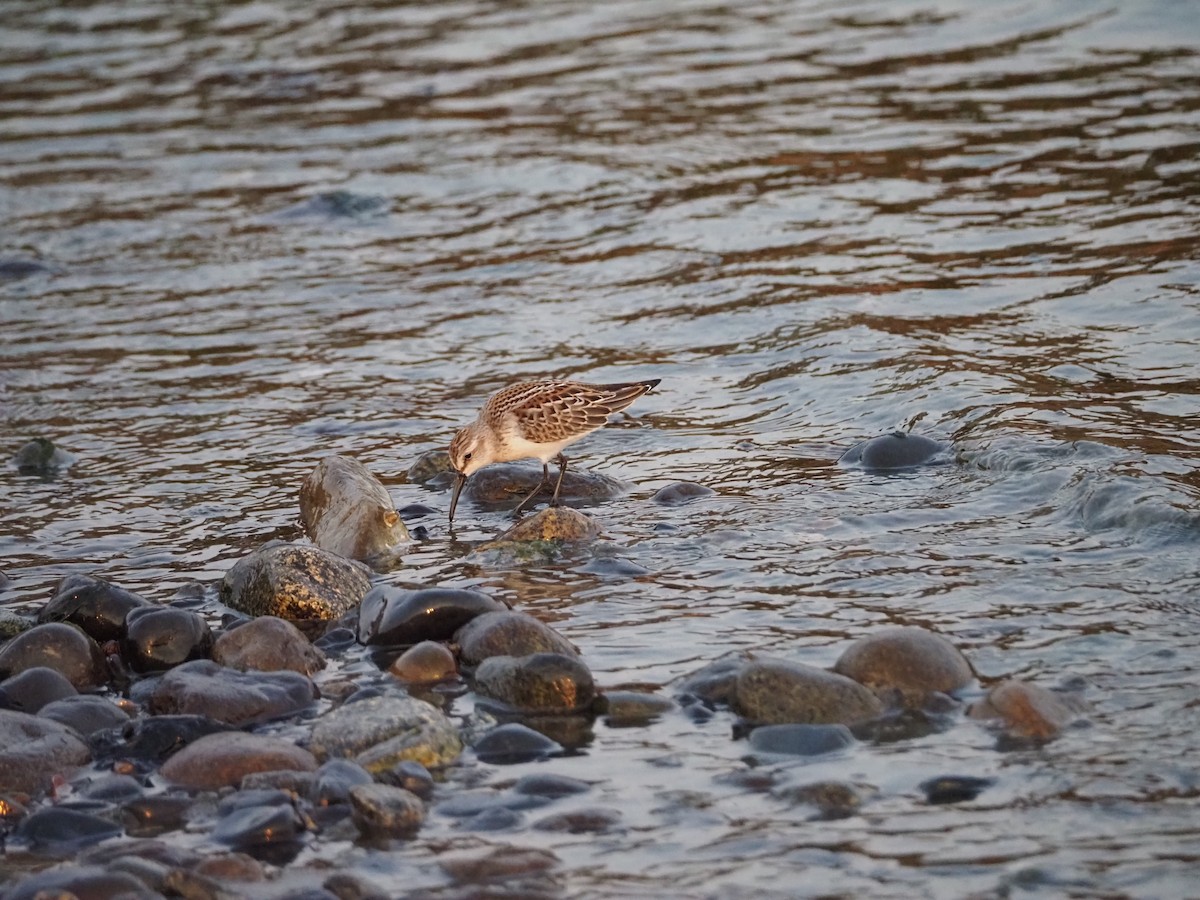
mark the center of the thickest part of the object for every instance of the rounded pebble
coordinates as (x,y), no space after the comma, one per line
(538,683)
(384,810)
(800,740)
(424,663)
(156,638)
(268,644)
(223,760)
(64,648)
(514,743)
(898,450)
(681,492)
(32,689)
(95,605)
(774,692)
(508,633)
(911,661)
(392,616)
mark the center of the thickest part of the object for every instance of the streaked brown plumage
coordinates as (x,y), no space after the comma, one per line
(536,419)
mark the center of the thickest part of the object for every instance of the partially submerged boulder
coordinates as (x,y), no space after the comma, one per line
(346,510)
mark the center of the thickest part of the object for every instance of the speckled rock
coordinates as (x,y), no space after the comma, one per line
(156,638)
(294,581)
(771,692)
(225,695)
(556,523)
(898,450)
(58,646)
(97,606)
(268,644)
(1027,710)
(424,663)
(393,616)
(223,760)
(33,750)
(381,810)
(12,624)
(508,633)
(538,683)
(681,492)
(346,510)
(379,732)
(908,662)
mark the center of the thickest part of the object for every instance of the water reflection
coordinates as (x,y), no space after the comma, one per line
(241,237)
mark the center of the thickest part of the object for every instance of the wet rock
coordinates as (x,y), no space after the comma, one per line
(153,739)
(33,750)
(900,725)
(86,713)
(507,484)
(832,799)
(954,788)
(267,644)
(556,523)
(350,886)
(613,567)
(82,882)
(248,820)
(551,786)
(223,760)
(412,776)
(714,684)
(909,662)
(538,683)
(96,606)
(203,688)
(291,780)
(508,633)
(293,581)
(334,781)
(468,806)
(59,831)
(624,709)
(347,511)
(514,743)
(898,450)
(41,457)
(30,690)
(424,663)
(112,788)
(231,867)
(380,732)
(800,740)
(428,466)
(681,492)
(381,810)
(155,815)
(157,638)
(15,268)
(12,624)
(497,863)
(340,204)
(771,692)
(587,821)
(63,648)
(1027,710)
(392,616)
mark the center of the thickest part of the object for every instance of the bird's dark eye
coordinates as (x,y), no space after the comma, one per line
(466,456)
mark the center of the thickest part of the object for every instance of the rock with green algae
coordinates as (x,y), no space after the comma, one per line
(380,732)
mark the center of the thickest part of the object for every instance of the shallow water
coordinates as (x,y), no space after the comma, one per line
(275,231)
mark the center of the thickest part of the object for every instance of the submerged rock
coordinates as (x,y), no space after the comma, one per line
(268,644)
(681,492)
(832,799)
(800,740)
(63,648)
(346,510)
(1027,710)
(714,684)
(898,450)
(954,788)
(555,523)
(538,683)
(392,616)
(778,692)
(514,743)
(912,662)
(41,457)
(622,709)
(382,810)
(239,698)
(223,760)
(508,633)
(15,268)
(380,732)
(156,638)
(33,750)
(294,581)
(97,606)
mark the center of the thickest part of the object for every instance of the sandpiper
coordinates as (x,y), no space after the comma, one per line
(536,419)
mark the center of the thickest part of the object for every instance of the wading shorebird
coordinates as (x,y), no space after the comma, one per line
(536,419)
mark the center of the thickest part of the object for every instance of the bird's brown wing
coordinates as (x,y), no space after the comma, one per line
(550,411)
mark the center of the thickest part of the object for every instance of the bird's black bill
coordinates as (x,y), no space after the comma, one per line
(458,486)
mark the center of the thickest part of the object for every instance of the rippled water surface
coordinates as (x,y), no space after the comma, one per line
(267,232)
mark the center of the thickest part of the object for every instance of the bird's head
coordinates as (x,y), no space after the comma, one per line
(471,450)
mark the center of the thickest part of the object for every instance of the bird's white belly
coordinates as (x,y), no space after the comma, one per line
(516,447)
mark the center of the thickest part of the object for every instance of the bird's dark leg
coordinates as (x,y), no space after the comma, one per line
(562,470)
(537,490)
